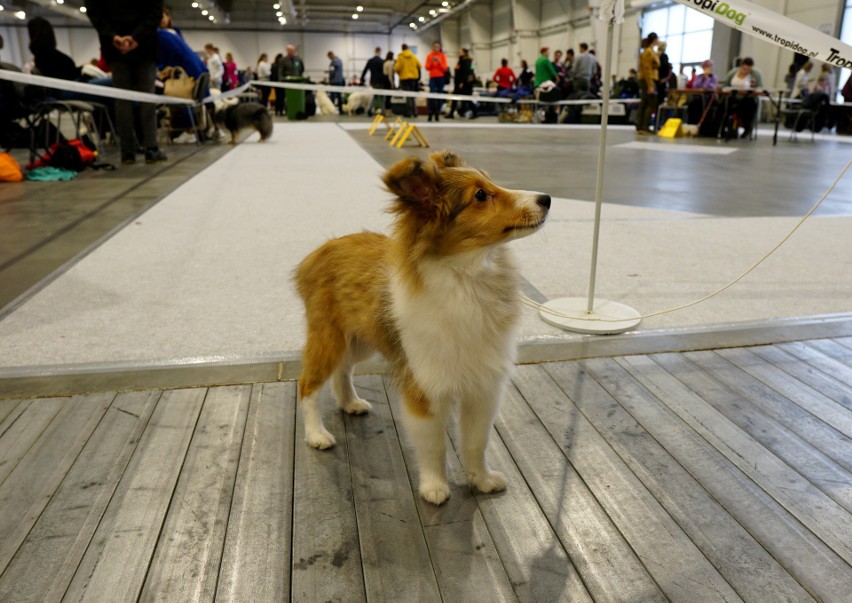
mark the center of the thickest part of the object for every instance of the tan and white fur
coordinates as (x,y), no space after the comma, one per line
(324,104)
(357,100)
(439,298)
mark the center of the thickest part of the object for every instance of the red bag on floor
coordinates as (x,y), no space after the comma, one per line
(69,155)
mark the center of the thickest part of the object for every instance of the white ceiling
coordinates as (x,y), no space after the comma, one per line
(376,16)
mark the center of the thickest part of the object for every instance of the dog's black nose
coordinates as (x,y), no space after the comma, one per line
(544,201)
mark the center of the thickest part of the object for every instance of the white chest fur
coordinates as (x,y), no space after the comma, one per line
(458,328)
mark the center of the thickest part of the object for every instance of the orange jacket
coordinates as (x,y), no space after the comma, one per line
(436,64)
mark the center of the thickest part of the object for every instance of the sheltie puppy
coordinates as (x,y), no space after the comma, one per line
(439,298)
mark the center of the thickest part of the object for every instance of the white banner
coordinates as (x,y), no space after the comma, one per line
(777,29)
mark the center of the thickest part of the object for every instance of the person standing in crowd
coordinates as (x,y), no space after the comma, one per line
(407,66)
(436,66)
(665,73)
(215,66)
(264,72)
(388,69)
(544,70)
(335,78)
(230,79)
(568,63)
(376,68)
(560,68)
(464,77)
(504,77)
(275,75)
(525,79)
(292,65)
(584,68)
(649,73)
(128,37)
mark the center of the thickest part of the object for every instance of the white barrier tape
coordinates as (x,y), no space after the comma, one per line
(226,95)
(435,95)
(776,29)
(92,89)
(381,91)
(110,92)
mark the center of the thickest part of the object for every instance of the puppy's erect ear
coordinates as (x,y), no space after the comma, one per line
(413,180)
(446,159)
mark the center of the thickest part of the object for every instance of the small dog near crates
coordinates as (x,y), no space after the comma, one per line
(244,116)
(439,298)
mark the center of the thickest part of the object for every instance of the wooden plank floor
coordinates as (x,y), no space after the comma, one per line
(705,476)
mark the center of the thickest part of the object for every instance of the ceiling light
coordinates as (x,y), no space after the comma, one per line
(355,16)
(82,9)
(282,21)
(60,1)
(421,19)
(21,15)
(204,12)
(359,8)
(433,12)
(276,6)
(212,18)
(279,14)
(195,5)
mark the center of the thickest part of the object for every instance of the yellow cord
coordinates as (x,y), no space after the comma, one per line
(541,308)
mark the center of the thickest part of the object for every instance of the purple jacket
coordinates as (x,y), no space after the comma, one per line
(705,82)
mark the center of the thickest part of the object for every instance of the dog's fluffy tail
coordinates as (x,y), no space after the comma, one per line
(264,123)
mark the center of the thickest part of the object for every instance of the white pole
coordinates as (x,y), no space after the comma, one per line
(578,314)
(607,87)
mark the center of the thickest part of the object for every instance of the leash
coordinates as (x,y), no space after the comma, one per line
(533,304)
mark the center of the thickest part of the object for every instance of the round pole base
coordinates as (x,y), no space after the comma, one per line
(626,317)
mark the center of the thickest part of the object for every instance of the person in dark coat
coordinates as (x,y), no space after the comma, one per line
(128,34)
(464,78)
(378,79)
(50,61)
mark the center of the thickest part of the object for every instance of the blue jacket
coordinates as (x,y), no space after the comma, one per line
(174,52)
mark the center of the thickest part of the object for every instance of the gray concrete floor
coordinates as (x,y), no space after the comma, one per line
(45,225)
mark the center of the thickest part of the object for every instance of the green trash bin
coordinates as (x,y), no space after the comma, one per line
(295,99)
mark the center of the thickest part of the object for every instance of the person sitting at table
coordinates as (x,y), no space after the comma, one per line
(744,77)
(803,82)
(706,80)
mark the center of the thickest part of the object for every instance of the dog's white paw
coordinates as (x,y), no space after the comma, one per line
(320,438)
(492,481)
(435,492)
(357,406)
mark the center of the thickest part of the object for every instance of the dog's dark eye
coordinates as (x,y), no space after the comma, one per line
(481,195)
